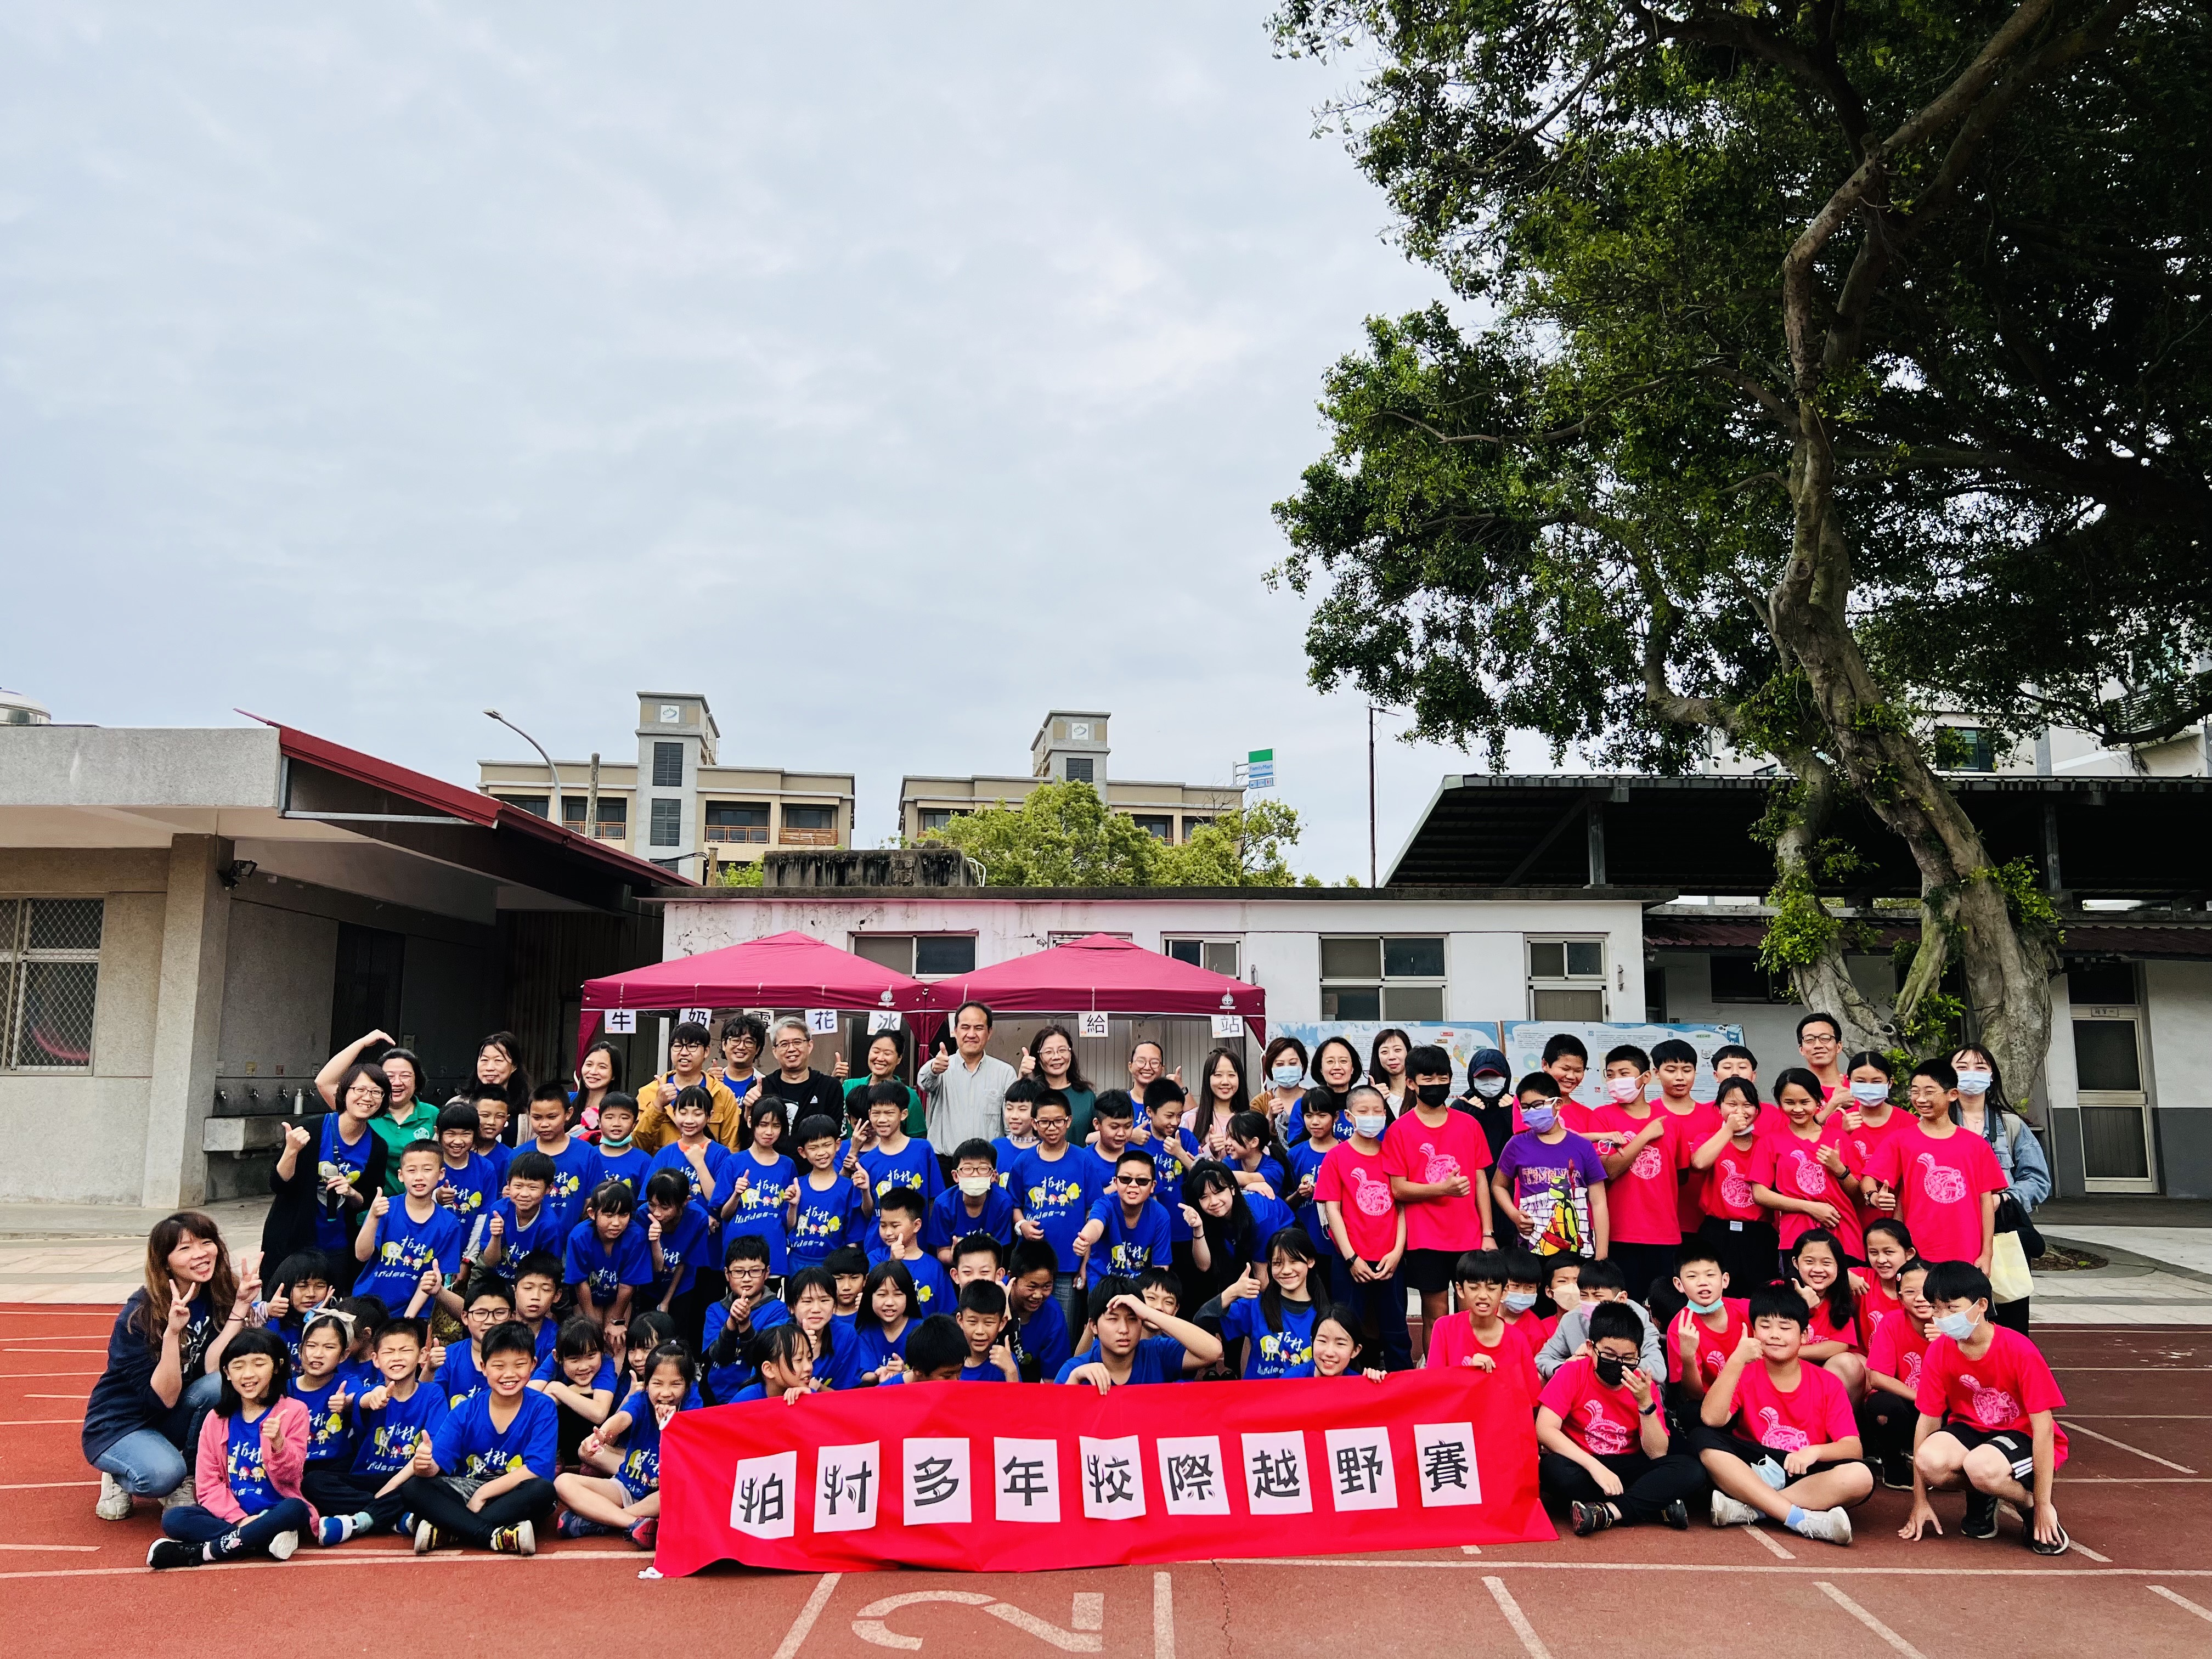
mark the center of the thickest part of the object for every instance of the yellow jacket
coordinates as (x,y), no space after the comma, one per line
(725,1119)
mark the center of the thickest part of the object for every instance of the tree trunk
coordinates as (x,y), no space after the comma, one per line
(1824,984)
(1963,907)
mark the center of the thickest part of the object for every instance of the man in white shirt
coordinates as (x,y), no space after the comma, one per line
(966,1094)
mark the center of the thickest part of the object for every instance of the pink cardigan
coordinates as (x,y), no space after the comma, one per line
(284,1461)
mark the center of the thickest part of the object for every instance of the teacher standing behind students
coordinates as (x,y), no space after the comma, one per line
(966,1090)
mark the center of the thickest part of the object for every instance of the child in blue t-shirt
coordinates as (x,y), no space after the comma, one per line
(731,1324)
(618,1487)
(390,1417)
(400,1243)
(893,1158)
(762,1185)
(608,1258)
(887,1308)
(975,1203)
(321,1386)
(898,1226)
(468,1183)
(1036,1330)
(1307,1156)
(522,1222)
(831,1206)
(786,1365)
(576,1162)
(982,1318)
(707,1166)
(1052,1193)
(1123,1354)
(620,1158)
(1174,1150)
(1021,1131)
(303,1286)
(485,1476)
(1128,1233)
(581,1378)
(1276,1324)
(680,1236)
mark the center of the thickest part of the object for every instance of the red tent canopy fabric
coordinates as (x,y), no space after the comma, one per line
(784,970)
(1105,975)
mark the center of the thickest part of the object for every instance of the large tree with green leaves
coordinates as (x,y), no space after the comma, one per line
(1817,367)
(1062,834)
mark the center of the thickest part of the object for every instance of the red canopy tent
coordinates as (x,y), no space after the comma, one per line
(784,970)
(1104,974)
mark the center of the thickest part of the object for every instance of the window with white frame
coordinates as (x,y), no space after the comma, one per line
(1567,978)
(1218,955)
(49,983)
(1367,977)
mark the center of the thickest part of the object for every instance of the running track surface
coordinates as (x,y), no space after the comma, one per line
(2135,1492)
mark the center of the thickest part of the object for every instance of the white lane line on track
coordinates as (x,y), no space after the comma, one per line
(1163,1616)
(1760,1533)
(1518,1619)
(824,1587)
(2205,1614)
(1489,1565)
(1868,1620)
(2076,1428)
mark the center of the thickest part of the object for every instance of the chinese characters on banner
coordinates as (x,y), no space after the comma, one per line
(1034,1476)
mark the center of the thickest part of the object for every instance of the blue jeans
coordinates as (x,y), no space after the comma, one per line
(249,1537)
(1378,1310)
(154,1461)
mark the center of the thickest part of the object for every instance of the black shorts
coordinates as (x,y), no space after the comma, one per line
(1704,1439)
(1429,1272)
(2017,1445)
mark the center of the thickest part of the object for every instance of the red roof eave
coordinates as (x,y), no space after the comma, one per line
(456,802)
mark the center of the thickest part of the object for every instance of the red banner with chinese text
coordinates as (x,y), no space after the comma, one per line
(1007,1477)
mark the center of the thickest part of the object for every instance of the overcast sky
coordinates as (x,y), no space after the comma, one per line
(890,375)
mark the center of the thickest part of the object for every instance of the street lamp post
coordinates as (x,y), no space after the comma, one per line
(553,809)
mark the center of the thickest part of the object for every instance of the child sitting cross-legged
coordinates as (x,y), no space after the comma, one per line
(1603,1437)
(485,1476)
(246,1481)
(579,1377)
(1793,1453)
(618,1489)
(394,1415)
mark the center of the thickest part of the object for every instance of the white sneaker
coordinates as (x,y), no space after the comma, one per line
(182,1494)
(1829,1526)
(1733,1512)
(283,1545)
(114,1499)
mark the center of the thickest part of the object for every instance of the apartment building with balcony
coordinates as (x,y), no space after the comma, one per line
(676,803)
(1070,746)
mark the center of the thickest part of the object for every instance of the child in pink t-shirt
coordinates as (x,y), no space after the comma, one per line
(1478,1335)
(1777,1436)
(1796,1171)
(1936,1178)
(1436,1156)
(1353,1192)
(1642,1150)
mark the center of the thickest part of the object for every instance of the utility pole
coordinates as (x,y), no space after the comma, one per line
(1372,879)
(553,772)
(591,802)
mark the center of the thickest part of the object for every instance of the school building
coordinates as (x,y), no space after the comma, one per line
(191,922)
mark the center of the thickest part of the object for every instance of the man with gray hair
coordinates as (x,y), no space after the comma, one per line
(966,1092)
(804,1091)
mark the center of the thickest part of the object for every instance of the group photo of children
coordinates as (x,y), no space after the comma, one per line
(1755,1300)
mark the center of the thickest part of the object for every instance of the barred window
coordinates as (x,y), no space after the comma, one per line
(49,983)
(667,824)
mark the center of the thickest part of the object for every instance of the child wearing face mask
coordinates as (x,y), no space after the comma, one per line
(1351,1192)
(1549,1182)
(975,1203)
(1710,1328)
(1524,1290)
(1486,1100)
(1736,1225)
(1641,1144)
(1438,1159)
(1606,1452)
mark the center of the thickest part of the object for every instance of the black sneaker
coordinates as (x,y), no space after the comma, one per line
(2058,1546)
(1896,1472)
(173,1552)
(1981,1520)
(1591,1517)
(1677,1515)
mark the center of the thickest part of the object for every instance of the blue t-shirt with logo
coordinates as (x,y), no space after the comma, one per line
(516,1241)
(1269,1355)
(721,1164)
(243,1466)
(1057,1196)
(405,1247)
(760,1210)
(335,1227)
(629,1165)
(723,1381)
(330,1431)
(1167,1179)
(476,1186)
(1306,1160)
(828,1219)
(639,1473)
(949,1221)
(590,1260)
(914,1166)
(460,1378)
(386,1445)
(574,1166)
(1041,1342)
(1128,1247)
(470,1444)
(686,1243)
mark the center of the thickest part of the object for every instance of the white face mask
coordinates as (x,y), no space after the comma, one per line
(1370,1126)
(1973,1081)
(976,1186)
(1490,1087)
(1624,1088)
(1956,1326)
(1869,1094)
(1519,1301)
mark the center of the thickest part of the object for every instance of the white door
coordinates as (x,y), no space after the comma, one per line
(2116,1141)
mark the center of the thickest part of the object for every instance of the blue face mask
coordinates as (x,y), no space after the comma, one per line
(1869,1094)
(1286,1077)
(1540,1118)
(1957,1326)
(1519,1301)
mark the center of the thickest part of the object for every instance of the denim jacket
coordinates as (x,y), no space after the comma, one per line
(2019,1155)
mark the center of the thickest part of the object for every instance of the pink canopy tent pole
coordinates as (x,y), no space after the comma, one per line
(784,970)
(1101,974)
